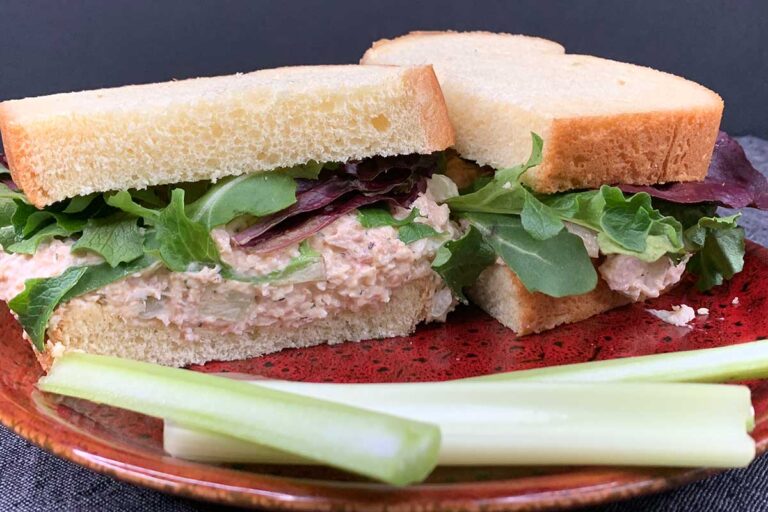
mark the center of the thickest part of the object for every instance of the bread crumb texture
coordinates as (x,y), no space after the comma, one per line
(96,329)
(71,144)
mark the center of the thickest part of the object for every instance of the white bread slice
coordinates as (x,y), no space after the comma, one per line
(602,121)
(64,145)
(96,329)
(499,292)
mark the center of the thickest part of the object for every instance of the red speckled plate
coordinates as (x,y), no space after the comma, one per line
(128,446)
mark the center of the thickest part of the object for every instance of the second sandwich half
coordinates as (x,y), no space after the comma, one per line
(139,221)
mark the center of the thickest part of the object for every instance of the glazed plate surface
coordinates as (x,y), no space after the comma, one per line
(129,446)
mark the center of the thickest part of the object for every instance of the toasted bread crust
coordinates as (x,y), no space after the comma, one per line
(438,129)
(15,145)
(676,146)
(92,328)
(500,293)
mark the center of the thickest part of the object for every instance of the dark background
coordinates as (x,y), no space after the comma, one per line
(54,46)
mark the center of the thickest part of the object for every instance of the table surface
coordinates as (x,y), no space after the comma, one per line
(32,480)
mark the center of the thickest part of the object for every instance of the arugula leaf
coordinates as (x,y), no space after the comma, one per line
(308,171)
(35,305)
(253,194)
(182,243)
(459,262)
(20,215)
(124,201)
(7,237)
(687,214)
(151,197)
(415,231)
(7,231)
(32,227)
(117,238)
(539,220)
(719,250)
(625,225)
(497,196)
(307,266)
(408,230)
(624,221)
(30,244)
(40,218)
(503,193)
(99,276)
(376,217)
(558,266)
(79,203)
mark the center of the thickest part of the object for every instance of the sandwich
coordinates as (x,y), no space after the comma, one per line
(612,199)
(228,217)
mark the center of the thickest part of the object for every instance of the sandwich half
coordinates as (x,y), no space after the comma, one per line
(586,223)
(228,217)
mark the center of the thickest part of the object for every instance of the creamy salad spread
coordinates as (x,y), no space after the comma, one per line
(630,276)
(362,267)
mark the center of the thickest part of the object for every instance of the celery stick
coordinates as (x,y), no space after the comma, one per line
(722,364)
(507,423)
(384,447)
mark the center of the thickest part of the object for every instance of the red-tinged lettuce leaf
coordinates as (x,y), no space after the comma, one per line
(397,180)
(731,181)
(302,227)
(370,169)
(312,199)
(5,174)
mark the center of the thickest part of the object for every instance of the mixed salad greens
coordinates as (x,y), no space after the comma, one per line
(171,225)
(527,231)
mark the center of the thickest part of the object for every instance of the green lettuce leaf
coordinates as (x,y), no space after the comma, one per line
(117,238)
(80,203)
(126,202)
(7,231)
(538,219)
(7,193)
(252,194)
(558,266)
(308,171)
(32,226)
(307,266)
(718,246)
(35,305)
(181,243)
(459,262)
(30,244)
(504,193)
(415,231)
(408,230)
(375,217)
(624,225)
(98,276)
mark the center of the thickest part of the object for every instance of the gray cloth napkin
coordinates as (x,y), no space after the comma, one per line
(31,480)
